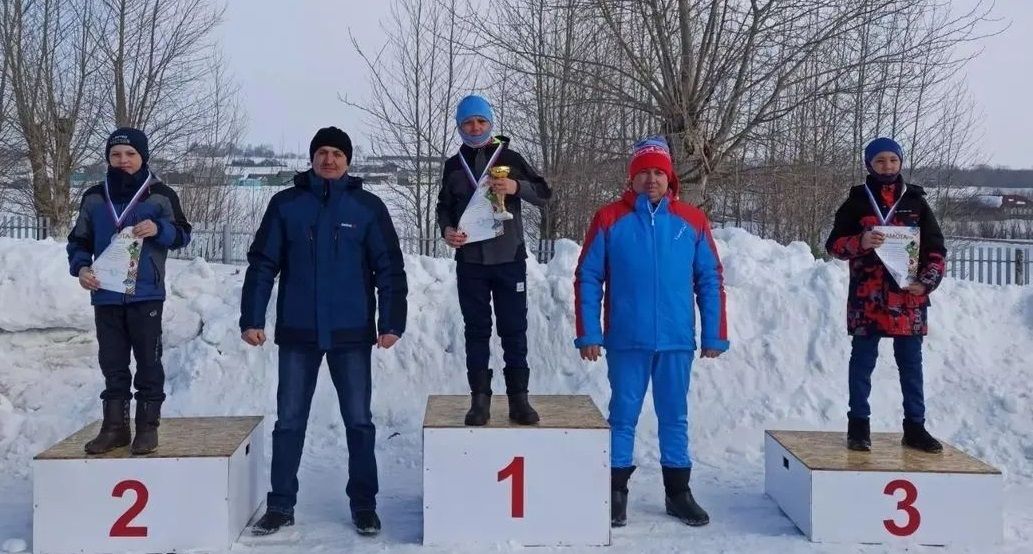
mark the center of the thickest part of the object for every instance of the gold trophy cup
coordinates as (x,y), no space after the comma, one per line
(498,201)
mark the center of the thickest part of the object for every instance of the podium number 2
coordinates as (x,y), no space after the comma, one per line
(121,528)
(515,469)
(914,518)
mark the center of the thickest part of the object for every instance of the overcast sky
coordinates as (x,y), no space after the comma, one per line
(292,59)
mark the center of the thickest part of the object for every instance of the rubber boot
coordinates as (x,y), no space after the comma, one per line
(619,495)
(520,410)
(915,436)
(858,435)
(114,430)
(679,501)
(480,397)
(148,417)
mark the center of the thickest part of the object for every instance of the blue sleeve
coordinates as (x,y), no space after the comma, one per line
(710,292)
(264,259)
(80,241)
(589,279)
(385,258)
(173,228)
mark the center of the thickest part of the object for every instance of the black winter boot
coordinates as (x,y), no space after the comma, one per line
(148,416)
(367,523)
(520,409)
(114,430)
(619,495)
(480,397)
(915,436)
(271,522)
(858,435)
(679,501)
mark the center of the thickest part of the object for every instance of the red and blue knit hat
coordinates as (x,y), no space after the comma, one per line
(653,152)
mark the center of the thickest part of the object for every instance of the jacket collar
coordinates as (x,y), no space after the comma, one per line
(641,203)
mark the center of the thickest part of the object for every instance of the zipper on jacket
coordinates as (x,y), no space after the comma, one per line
(656,274)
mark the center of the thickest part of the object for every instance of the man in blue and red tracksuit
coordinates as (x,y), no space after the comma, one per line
(649,255)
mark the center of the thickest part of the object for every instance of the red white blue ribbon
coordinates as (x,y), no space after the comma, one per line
(883,219)
(120,218)
(491,161)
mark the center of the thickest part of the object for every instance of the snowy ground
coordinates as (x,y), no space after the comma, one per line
(786,369)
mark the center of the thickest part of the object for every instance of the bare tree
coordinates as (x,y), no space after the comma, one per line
(209,199)
(416,80)
(160,59)
(713,71)
(51,71)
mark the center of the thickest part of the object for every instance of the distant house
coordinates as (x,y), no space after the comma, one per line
(279,179)
(1015,201)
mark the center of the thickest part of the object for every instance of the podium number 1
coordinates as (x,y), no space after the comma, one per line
(515,469)
(121,528)
(907,505)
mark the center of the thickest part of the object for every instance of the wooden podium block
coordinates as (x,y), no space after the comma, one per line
(892,494)
(546,484)
(196,491)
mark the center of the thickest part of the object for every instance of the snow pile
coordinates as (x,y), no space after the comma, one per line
(786,369)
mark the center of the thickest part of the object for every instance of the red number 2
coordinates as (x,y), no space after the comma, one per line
(515,469)
(121,528)
(914,518)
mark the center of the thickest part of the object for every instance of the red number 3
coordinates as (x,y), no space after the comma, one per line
(121,528)
(914,518)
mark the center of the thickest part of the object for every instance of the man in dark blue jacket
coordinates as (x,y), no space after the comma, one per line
(331,243)
(131,197)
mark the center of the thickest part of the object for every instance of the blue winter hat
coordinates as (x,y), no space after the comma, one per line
(128,136)
(878,146)
(474,106)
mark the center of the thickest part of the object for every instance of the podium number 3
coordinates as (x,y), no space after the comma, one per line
(121,528)
(515,469)
(907,505)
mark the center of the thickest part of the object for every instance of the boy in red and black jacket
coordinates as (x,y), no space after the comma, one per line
(876,306)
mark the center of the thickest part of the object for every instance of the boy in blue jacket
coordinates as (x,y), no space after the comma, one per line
(646,258)
(130,197)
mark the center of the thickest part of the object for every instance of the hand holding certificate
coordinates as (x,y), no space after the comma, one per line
(899,252)
(117,266)
(479,221)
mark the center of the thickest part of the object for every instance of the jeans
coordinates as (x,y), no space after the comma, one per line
(908,353)
(350,372)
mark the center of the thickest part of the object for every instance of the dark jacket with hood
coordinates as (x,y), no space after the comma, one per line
(331,243)
(95,227)
(457,190)
(875,304)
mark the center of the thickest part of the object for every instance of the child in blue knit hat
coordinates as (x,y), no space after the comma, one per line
(491,271)
(878,306)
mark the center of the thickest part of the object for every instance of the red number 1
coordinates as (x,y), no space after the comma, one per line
(914,518)
(515,469)
(121,528)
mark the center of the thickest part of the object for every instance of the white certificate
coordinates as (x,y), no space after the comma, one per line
(478,220)
(899,253)
(117,266)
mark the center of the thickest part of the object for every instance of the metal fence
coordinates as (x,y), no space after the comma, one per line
(24,227)
(1002,265)
(1009,264)
(209,242)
